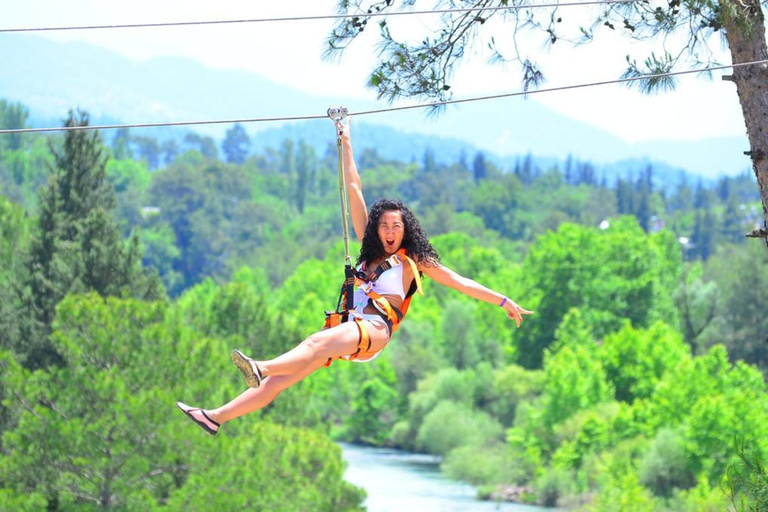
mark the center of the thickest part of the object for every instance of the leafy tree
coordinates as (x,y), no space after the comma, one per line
(241,474)
(696,299)
(161,253)
(495,203)
(741,283)
(121,144)
(236,144)
(117,446)
(130,180)
(201,143)
(635,360)
(169,150)
(207,207)
(149,150)
(422,67)
(461,343)
(611,275)
(575,380)
(373,411)
(100,407)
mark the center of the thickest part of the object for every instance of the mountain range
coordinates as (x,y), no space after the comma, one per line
(51,77)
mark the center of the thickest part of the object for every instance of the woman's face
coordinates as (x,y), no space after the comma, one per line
(391,231)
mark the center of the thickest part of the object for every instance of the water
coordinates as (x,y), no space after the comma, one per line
(398,481)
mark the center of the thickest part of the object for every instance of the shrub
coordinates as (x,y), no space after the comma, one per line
(553,485)
(664,466)
(490,465)
(451,424)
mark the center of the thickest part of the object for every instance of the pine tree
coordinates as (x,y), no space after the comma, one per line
(428,166)
(700,195)
(568,172)
(78,246)
(236,144)
(462,163)
(305,173)
(479,169)
(527,171)
(683,199)
(733,227)
(288,167)
(643,212)
(12,116)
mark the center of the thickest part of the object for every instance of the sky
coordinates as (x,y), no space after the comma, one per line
(290,53)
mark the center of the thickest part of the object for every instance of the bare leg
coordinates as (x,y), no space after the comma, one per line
(337,341)
(254,399)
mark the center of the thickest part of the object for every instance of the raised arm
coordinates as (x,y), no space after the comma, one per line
(451,279)
(357,207)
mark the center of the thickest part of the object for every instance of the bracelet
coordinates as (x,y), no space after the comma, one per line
(504,301)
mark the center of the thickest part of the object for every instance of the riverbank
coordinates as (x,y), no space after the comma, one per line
(401,481)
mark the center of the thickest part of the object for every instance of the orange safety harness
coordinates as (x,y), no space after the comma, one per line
(391,314)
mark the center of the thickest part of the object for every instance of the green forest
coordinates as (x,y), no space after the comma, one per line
(130,268)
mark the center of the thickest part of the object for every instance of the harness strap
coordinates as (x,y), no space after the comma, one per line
(363,343)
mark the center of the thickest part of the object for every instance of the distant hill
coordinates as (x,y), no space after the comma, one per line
(51,77)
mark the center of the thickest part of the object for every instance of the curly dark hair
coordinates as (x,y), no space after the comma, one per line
(415,239)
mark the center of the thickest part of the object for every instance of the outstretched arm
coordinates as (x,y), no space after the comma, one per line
(451,279)
(357,207)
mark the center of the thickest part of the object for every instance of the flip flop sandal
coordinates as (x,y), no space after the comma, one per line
(248,368)
(205,422)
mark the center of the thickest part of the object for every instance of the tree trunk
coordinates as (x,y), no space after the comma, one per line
(746,45)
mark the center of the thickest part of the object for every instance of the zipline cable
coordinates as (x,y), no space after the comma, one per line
(319,17)
(388,109)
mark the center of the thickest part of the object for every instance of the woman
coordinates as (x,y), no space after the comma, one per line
(391,234)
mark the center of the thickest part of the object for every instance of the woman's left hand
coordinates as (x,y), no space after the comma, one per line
(515,312)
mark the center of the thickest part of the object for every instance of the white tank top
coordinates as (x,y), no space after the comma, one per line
(389,283)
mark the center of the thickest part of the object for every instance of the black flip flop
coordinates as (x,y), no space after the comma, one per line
(187,410)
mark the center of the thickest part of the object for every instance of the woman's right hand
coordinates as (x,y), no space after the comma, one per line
(343,130)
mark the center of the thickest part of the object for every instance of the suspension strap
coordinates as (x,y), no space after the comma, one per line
(339,115)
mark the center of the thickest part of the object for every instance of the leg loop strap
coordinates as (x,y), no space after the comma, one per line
(363,342)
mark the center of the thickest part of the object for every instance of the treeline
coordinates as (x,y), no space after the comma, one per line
(637,381)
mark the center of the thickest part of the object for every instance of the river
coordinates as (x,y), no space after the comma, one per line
(398,481)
